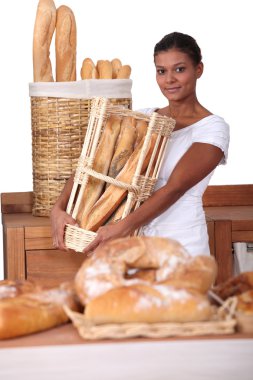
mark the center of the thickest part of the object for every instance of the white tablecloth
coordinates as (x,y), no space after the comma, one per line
(160,360)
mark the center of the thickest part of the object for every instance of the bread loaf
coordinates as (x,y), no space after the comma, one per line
(144,279)
(14,288)
(88,70)
(101,164)
(116,65)
(65,45)
(124,146)
(42,36)
(104,68)
(235,285)
(33,312)
(124,72)
(146,304)
(113,195)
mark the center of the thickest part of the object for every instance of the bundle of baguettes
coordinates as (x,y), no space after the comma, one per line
(61,21)
(117,156)
(105,69)
(26,308)
(117,169)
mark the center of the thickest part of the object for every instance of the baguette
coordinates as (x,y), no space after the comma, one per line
(104,68)
(42,36)
(116,65)
(124,72)
(34,312)
(124,146)
(65,45)
(102,161)
(113,195)
(88,70)
(141,130)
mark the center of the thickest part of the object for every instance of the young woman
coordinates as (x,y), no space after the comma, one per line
(198,144)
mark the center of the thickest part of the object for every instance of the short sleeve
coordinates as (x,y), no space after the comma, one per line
(215,131)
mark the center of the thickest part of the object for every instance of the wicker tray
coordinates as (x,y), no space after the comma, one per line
(59,118)
(223,322)
(140,187)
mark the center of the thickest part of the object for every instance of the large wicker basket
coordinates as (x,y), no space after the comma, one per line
(60,113)
(142,184)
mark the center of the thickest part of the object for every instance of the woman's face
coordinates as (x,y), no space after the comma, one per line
(176,74)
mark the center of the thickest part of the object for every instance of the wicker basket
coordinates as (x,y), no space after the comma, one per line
(60,114)
(222,322)
(140,187)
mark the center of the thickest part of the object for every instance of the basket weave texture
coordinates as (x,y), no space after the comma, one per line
(141,185)
(222,322)
(58,131)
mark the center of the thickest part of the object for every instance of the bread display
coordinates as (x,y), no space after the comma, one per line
(65,45)
(42,36)
(36,311)
(173,292)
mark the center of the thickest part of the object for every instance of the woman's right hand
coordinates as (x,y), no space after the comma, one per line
(59,218)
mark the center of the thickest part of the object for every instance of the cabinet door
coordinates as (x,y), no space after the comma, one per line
(51,267)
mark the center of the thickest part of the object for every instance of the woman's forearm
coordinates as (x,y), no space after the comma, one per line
(63,198)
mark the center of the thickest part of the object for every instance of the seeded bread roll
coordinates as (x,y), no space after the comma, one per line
(42,36)
(65,45)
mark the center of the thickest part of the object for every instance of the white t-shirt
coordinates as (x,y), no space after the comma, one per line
(185,220)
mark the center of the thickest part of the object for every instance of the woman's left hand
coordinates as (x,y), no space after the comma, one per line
(108,232)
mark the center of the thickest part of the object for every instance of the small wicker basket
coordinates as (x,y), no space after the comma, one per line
(222,322)
(140,187)
(59,118)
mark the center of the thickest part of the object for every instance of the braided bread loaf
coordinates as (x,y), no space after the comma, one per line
(145,279)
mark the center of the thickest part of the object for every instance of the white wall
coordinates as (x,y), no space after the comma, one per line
(129,30)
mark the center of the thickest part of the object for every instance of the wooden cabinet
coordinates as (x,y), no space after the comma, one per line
(29,253)
(28,249)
